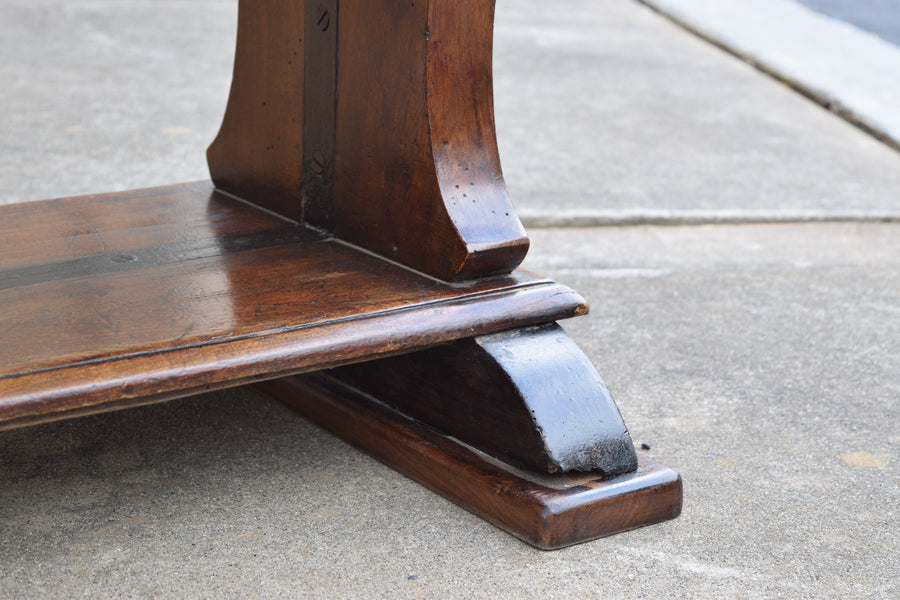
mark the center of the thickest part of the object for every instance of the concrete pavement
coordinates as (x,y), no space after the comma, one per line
(756,350)
(850,71)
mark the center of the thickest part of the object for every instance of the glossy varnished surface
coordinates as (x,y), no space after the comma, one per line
(528,396)
(373,119)
(135,297)
(258,153)
(415,140)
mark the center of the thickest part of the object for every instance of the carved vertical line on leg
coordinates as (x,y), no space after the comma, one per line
(319,103)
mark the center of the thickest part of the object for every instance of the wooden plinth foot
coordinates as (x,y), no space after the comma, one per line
(547,511)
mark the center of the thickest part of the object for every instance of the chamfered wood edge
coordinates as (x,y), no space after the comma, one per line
(546,511)
(145,378)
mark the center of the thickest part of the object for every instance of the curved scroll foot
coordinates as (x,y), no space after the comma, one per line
(529,397)
(517,427)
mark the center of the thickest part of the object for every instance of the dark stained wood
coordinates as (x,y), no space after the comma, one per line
(319,99)
(128,324)
(258,153)
(361,126)
(39,232)
(167,253)
(416,172)
(546,511)
(529,397)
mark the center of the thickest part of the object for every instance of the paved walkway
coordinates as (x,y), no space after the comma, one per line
(729,234)
(844,68)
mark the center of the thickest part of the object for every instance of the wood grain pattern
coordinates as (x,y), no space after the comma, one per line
(363,126)
(406,110)
(258,153)
(222,309)
(417,173)
(527,396)
(546,511)
(38,232)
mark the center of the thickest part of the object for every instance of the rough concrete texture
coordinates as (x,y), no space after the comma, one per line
(852,71)
(760,361)
(605,112)
(103,95)
(603,107)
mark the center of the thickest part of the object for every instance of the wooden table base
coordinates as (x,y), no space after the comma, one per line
(546,511)
(129,298)
(385,254)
